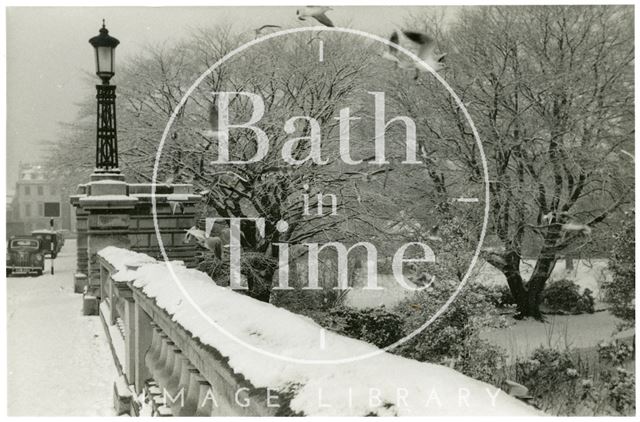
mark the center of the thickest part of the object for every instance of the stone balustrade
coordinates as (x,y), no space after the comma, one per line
(172,364)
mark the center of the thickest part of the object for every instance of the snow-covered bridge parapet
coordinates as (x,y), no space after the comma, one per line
(232,355)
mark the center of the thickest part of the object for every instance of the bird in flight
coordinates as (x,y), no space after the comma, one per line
(265,28)
(433,234)
(367,176)
(577,227)
(419,43)
(315,12)
(212,132)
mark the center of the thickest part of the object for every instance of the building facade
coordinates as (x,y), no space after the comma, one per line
(34,193)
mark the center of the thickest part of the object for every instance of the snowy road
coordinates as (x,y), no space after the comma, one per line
(59,363)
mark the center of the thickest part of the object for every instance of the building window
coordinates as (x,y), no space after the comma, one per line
(52,189)
(40,190)
(27,210)
(27,190)
(41,209)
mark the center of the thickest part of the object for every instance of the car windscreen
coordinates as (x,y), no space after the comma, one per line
(24,243)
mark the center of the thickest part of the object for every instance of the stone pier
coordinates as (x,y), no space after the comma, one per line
(112,212)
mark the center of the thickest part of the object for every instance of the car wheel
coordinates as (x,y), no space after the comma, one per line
(8,273)
(38,273)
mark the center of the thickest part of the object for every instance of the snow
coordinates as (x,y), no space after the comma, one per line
(101,198)
(319,389)
(558,331)
(59,362)
(122,259)
(180,197)
(107,182)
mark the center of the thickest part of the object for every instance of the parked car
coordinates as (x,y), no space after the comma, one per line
(25,255)
(48,237)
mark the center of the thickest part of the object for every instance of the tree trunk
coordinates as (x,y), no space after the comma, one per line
(568,263)
(527,296)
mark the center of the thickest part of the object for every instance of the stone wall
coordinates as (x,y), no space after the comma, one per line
(187,366)
(111,212)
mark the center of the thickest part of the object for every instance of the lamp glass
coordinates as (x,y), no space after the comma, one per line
(104,60)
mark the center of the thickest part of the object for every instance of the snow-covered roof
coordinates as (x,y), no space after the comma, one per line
(345,388)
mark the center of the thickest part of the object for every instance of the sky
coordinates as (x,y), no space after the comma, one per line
(49,57)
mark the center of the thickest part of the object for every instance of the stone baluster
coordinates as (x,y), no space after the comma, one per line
(165,355)
(188,385)
(158,362)
(205,403)
(176,370)
(153,354)
(164,375)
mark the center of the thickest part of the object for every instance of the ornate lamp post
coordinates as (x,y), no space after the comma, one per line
(106,136)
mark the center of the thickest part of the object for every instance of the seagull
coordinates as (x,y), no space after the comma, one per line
(213,122)
(577,227)
(628,154)
(263,28)
(547,218)
(358,195)
(367,176)
(433,234)
(195,233)
(214,244)
(394,55)
(315,12)
(419,43)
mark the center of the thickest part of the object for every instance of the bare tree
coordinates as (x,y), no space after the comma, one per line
(551,91)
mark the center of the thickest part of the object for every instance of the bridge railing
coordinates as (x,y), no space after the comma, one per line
(232,355)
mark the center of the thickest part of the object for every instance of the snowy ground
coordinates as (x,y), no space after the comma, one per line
(558,331)
(521,338)
(59,361)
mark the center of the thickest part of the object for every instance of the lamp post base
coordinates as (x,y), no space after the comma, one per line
(101,174)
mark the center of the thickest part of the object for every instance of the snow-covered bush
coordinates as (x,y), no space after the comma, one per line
(615,353)
(620,291)
(564,296)
(453,338)
(546,371)
(377,326)
(564,383)
(499,295)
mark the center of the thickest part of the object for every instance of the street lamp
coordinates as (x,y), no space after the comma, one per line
(106,135)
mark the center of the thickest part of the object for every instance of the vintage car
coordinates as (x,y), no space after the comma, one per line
(24,255)
(47,238)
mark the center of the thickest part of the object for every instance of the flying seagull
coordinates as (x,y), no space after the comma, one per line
(577,227)
(433,234)
(367,176)
(628,154)
(263,28)
(315,12)
(213,244)
(212,132)
(419,43)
